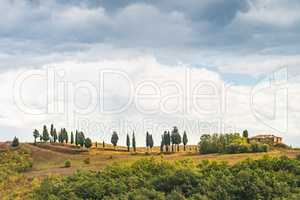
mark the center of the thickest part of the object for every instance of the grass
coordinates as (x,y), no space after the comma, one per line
(46,162)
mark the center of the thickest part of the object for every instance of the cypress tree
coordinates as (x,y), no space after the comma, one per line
(114,139)
(66,136)
(184,140)
(81,138)
(151,142)
(52,130)
(54,135)
(162,143)
(128,143)
(147,140)
(72,138)
(36,134)
(76,138)
(45,134)
(133,142)
(178,140)
(175,137)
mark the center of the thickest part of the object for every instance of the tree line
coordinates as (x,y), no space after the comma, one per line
(62,136)
(169,142)
(230,143)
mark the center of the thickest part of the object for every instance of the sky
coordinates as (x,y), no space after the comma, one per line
(209,66)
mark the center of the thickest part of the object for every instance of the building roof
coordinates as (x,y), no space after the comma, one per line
(264,136)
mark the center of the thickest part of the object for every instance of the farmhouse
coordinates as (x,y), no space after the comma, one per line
(269,139)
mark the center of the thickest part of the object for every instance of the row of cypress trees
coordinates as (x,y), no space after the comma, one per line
(62,137)
(174,140)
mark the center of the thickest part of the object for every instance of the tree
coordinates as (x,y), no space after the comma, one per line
(15,142)
(128,143)
(147,140)
(76,138)
(54,135)
(52,131)
(45,134)
(245,134)
(133,142)
(103,144)
(175,138)
(114,139)
(151,142)
(167,140)
(36,134)
(88,143)
(72,138)
(162,144)
(184,140)
(178,140)
(66,136)
(81,138)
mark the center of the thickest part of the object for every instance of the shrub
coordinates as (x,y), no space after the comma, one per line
(266,178)
(237,148)
(258,147)
(87,161)
(88,143)
(67,163)
(15,142)
(281,145)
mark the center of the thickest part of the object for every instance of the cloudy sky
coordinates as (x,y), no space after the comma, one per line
(205,66)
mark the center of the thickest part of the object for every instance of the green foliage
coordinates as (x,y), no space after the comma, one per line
(128,143)
(281,145)
(15,142)
(133,142)
(175,138)
(81,138)
(184,139)
(55,137)
(267,178)
(52,130)
(229,143)
(36,134)
(88,143)
(87,161)
(13,162)
(45,134)
(72,138)
(114,138)
(166,140)
(67,163)
(245,134)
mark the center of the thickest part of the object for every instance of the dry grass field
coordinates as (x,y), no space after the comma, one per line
(47,161)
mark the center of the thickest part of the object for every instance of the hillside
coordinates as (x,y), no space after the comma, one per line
(26,167)
(46,161)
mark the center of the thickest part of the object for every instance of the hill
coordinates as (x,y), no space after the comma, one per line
(51,160)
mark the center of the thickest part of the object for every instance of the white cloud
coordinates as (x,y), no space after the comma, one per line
(218,103)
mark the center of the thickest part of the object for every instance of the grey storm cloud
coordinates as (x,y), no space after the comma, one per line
(34,31)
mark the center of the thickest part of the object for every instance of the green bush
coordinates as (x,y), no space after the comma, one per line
(67,163)
(87,161)
(267,178)
(15,142)
(281,145)
(88,143)
(258,147)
